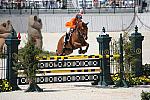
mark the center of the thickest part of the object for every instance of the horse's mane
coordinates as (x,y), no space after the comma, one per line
(82,24)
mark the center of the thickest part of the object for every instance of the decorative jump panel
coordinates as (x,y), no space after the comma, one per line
(64,71)
(61,79)
(68,63)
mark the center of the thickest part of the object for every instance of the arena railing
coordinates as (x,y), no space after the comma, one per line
(55,8)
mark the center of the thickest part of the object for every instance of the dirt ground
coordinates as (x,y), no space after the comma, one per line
(76,91)
(80,91)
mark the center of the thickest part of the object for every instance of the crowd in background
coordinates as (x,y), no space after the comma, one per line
(30,4)
(51,4)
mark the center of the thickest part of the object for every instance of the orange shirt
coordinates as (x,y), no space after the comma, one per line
(71,23)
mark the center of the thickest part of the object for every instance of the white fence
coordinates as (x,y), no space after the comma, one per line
(56,22)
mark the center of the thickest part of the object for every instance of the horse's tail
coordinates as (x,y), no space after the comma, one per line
(62,53)
(60,46)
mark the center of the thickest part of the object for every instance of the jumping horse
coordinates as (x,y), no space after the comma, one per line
(77,40)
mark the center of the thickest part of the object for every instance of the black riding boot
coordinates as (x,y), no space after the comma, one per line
(66,38)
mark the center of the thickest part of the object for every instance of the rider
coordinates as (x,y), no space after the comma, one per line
(71,25)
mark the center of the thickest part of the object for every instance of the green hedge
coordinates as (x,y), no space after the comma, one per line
(141,80)
(145,95)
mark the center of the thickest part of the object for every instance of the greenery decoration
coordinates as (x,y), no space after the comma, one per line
(5,86)
(145,95)
(26,60)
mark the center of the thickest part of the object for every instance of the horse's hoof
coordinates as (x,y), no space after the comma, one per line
(80,51)
(84,51)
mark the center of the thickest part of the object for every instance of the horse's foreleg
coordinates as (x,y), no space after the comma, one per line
(87,46)
(77,45)
(80,51)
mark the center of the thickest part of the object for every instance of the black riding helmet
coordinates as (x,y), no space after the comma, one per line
(79,16)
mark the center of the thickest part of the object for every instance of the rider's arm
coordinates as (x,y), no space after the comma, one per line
(73,23)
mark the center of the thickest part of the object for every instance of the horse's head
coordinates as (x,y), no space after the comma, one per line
(83,30)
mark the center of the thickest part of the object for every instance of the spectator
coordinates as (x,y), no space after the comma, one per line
(144,5)
(59,3)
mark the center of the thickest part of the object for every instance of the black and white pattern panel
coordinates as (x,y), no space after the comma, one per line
(69,63)
(60,79)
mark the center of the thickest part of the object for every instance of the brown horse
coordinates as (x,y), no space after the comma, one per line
(77,40)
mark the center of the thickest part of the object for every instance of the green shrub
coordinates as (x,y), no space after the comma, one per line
(145,95)
(146,69)
(142,80)
(5,86)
